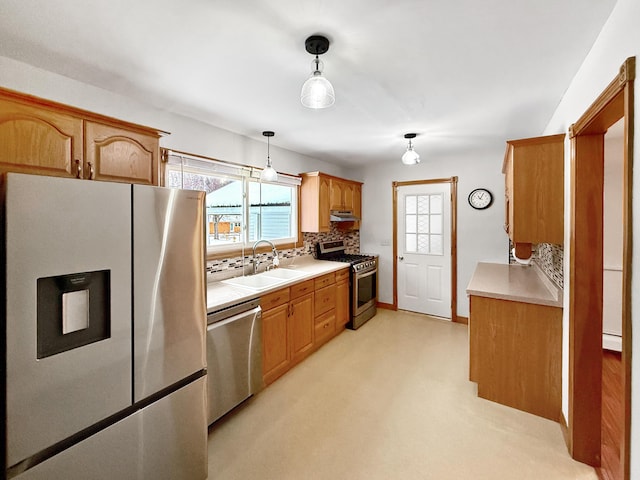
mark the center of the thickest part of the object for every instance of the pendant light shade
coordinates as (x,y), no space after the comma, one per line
(317,91)
(268,174)
(410,157)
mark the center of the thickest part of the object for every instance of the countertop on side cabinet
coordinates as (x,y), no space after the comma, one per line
(518,283)
(221,295)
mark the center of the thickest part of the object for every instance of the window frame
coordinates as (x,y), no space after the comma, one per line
(251,172)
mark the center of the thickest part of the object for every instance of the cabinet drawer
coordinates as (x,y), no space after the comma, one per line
(325,299)
(325,280)
(302,288)
(274,299)
(324,328)
(342,275)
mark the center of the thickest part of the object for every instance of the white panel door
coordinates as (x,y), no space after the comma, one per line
(424,248)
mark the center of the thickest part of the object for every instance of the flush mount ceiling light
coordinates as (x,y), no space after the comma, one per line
(410,157)
(268,174)
(317,91)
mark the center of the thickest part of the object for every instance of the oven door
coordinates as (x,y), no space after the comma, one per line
(364,291)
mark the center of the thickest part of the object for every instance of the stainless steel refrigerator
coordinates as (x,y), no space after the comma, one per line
(104,320)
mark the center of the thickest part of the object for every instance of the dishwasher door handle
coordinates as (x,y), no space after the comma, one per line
(234,318)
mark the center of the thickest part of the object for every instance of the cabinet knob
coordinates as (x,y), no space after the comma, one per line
(92,171)
(78,169)
(401,258)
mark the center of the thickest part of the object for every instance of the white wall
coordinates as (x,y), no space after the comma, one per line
(613,237)
(480,232)
(618,40)
(186,134)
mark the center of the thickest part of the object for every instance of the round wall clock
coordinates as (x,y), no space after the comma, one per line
(480,198)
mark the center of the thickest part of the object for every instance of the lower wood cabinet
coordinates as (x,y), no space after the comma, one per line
(343,314)
(275,344)
(515,354)
(299,319)
(325,327)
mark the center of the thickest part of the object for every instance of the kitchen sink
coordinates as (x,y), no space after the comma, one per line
(255,282)
(264,280)
(283,273)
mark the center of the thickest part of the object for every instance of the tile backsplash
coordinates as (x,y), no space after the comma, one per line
(550,259)
(351,238)
(224,268)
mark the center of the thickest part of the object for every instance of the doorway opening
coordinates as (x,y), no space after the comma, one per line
(586,264)
(449,229)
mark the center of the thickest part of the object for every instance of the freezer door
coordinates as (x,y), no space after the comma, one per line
(169,287)
(68,308)
(166,440)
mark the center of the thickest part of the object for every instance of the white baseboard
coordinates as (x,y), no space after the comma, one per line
(611,342)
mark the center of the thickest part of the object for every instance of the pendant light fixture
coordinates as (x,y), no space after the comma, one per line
(268,174)
(410,157)
(317,91)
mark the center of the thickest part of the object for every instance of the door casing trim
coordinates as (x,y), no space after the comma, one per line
(585,272)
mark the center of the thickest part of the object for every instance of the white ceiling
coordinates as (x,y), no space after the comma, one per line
(463,74)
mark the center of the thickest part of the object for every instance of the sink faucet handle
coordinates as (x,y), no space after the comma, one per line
(276,260)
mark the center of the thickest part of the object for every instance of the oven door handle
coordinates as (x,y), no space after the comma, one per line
(367,274)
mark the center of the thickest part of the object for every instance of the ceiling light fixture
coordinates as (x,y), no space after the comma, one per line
(268,174)
(317,91)
(410,157)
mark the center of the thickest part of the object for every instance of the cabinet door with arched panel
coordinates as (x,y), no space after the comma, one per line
(119,155)
(39,141)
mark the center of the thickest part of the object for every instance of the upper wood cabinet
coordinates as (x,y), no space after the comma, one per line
(534,190)
(315,198)
(321,193)
(120,155)
(35,140)
(46,138)
(342,194)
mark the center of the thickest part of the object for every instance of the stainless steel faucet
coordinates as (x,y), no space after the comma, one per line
(276,261)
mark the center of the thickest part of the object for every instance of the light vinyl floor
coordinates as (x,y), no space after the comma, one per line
(391,400)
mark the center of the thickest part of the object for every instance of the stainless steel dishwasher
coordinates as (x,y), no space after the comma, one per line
(234,356)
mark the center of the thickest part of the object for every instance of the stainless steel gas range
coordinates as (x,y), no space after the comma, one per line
(363,279)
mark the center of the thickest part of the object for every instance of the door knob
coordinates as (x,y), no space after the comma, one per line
(400,258)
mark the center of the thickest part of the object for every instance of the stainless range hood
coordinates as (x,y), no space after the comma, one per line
(343,216)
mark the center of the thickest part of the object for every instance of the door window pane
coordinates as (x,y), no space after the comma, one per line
(410,242)
(436,203)
(426,219)
(423,223)
(423,244)
(436,224)
(423,204)
(410,204)
(436,245)
(410,223)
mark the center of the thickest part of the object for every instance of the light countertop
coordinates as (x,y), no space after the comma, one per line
(517,283)
(221,295)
